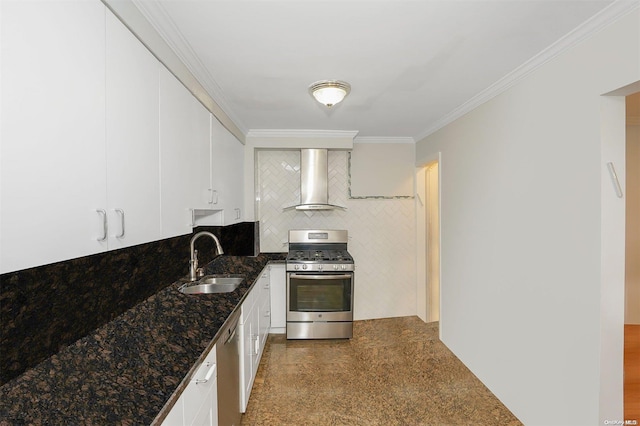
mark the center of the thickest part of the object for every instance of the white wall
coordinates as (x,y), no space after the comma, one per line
(382,169)
(521,235)
(381,231)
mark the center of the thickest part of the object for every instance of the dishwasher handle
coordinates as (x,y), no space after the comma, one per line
(230,331)
(231,336)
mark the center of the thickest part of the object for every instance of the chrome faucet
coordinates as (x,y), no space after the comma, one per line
(193,262)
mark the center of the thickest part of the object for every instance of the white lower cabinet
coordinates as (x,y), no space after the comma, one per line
(176,415)
(264,302)
(198,404)
(278,295)
(255,320)
(248,329)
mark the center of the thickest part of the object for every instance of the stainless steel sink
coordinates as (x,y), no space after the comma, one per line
(212,284)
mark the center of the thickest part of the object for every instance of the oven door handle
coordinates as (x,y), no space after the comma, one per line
(321,277)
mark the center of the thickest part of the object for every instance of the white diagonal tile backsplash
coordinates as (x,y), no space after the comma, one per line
(381,231)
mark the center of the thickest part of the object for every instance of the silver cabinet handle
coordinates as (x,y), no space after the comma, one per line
(103,213)
(251,344)
(207,377)
(121,213)
(237,213)
(254,340)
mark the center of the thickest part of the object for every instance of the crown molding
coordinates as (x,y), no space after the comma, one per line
(605,17)
(159,19)
(301,133)
(383,139)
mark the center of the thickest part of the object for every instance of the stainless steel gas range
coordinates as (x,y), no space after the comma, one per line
(320,274)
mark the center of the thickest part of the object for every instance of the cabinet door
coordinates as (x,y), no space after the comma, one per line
(198,403)
(200,395)
(184,155)
(265,309)
(175,417)
(255,346)
(52,144)
(133,163)
(246,353)
(227,172)
(278,293)
(233,180)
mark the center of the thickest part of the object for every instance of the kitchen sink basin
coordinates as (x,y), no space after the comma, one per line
(210,284)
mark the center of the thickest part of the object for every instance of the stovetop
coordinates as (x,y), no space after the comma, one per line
(318,250)
(319,256)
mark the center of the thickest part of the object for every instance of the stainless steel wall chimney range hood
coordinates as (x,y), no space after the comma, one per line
(314,181)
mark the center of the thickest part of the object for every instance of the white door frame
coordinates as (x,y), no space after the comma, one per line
(612,254)
(422,310)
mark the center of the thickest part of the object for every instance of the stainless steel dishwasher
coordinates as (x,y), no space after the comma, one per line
(228,358)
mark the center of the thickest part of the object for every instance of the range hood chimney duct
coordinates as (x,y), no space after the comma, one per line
(314,181)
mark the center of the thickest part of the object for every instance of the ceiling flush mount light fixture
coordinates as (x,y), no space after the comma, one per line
(329,92)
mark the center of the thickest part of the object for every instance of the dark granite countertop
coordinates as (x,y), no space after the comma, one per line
(126,371)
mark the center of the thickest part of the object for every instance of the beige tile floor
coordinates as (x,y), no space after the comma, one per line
(394,371)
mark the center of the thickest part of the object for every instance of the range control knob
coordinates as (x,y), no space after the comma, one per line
(304,266)
(335,266)
(319,267)
(296,267)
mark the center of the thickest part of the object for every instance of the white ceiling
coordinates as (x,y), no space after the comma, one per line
(411,64)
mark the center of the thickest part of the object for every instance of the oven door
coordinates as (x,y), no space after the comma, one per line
(319,297)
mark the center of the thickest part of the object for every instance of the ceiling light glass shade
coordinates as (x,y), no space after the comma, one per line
(329,92)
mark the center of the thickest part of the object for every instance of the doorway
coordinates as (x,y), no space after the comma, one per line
(632,266)
(428,235)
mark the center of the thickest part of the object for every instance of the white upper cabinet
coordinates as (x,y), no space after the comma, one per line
(100,146)
(185,165)
(227,172)
(52,140)
(133,157)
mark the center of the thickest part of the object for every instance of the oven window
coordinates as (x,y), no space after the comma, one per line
(321,295)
